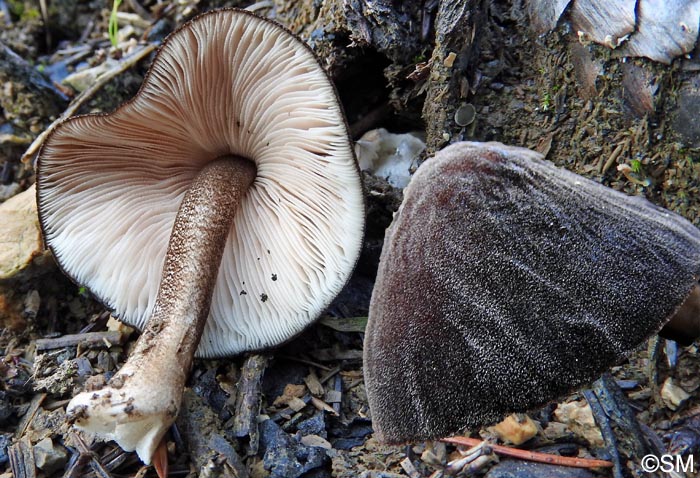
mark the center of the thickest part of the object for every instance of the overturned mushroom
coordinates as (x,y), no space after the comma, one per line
(237,144)
(506,282)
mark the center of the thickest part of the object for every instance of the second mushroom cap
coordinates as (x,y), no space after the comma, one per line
(505,282)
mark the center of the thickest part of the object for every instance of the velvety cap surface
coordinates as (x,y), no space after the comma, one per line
(226,83)
(506,282)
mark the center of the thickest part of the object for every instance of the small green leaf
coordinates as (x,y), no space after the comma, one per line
(113,25)
(636,166)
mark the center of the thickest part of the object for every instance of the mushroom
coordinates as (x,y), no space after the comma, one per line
(236,142)
(506,282)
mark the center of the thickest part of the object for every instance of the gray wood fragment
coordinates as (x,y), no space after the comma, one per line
(249,400)
(22,459)
(666,29)
(456,34)
(88,339)
(545,14)
(639,87)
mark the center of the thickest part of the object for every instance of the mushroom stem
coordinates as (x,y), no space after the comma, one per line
(142,400)
(684,326)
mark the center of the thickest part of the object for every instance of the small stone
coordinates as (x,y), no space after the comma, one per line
(48,456)
(316,425)
(579,418)
(672,395)
(20,236)
(515,429)
(104,361)
(285,457)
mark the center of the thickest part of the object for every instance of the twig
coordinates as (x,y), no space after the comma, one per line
(469,456)
(249,400)
(533,455)
(606,430)
(306,362)
(45,19)
(89,339)
(79,100)
(95,464)
(29,415)
(329,374)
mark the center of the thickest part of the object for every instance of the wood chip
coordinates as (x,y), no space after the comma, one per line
(317,441)
(88,339)
(249,400)
(321,405)
(345,324)
(296,404)
(314,384)
(409,468)
(22,459)
(31,412)
(333,396)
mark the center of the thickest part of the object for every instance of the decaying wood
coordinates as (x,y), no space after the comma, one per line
(106,338)
(658,30)
(612,413)
(456,36)
(22,459)
(383,24)
(30,413)
(249,400)
(607,23)
(665,29)
(605,430)
(545,14)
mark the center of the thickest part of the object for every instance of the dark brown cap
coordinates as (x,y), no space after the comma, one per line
(506,282)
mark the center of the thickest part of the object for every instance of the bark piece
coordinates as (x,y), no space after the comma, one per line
(686,122)
(456,32)
(639,89)
(586,68)
(386,25)
(20,236)
(545,14)
(32,95)
(249,400)
(666,29)
(604,22)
